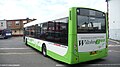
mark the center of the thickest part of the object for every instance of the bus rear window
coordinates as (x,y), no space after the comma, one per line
(87,23)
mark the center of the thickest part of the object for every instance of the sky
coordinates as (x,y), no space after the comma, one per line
(21,9)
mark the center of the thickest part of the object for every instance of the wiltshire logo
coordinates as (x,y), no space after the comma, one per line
(98,41)
(88,42)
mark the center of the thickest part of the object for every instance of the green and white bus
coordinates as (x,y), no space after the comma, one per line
(79,36)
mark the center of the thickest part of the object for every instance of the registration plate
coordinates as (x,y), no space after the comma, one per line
(8,33)
(93,52)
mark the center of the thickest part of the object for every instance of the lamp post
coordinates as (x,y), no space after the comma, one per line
(108,15)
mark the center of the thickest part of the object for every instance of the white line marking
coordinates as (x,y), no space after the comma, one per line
(9,65)
(12,48)
(106,64)
(17,53)
(113,51)
(113,45)
(114,41)
(59,65)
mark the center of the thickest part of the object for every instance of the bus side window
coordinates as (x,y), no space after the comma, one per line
(61,31)
(32,33)
(43,31)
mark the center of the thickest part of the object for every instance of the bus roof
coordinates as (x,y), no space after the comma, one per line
(48,18)
(63,14)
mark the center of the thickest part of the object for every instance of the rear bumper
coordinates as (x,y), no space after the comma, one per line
(85,56)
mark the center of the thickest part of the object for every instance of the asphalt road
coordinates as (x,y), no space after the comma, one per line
(13,53)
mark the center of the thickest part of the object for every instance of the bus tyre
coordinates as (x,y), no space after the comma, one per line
(44,51)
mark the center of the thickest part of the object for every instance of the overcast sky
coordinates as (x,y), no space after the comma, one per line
(20,9)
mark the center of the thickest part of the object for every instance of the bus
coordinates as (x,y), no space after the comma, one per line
(5,33)
(79,36)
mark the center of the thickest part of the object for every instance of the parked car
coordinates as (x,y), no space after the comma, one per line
(5,33)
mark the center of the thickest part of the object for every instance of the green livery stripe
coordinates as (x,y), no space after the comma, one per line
(83,56)
(52,54)
(35,46)
(58,57)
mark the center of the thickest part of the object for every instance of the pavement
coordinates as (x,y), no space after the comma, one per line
(113,42)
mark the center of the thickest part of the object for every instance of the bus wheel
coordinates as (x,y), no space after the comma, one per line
(44,51)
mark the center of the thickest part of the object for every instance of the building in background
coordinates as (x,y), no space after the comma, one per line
(3,24)
(16,25)
(4,31)
(114,19)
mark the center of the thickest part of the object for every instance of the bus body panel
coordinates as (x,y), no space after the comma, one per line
(85,56)
(54,47)
(56,51)
(91,46)
(72,38)
(91,42)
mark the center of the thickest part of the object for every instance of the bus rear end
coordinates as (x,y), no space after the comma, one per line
(87,34)
(91,34)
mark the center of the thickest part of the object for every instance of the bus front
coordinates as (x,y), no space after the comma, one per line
(91,34)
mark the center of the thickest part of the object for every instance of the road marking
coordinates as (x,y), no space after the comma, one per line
(9,65)
(106,64)
(113,51)
(114,41)
(17,53)
(113,45)
(12,48)
(59,65)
